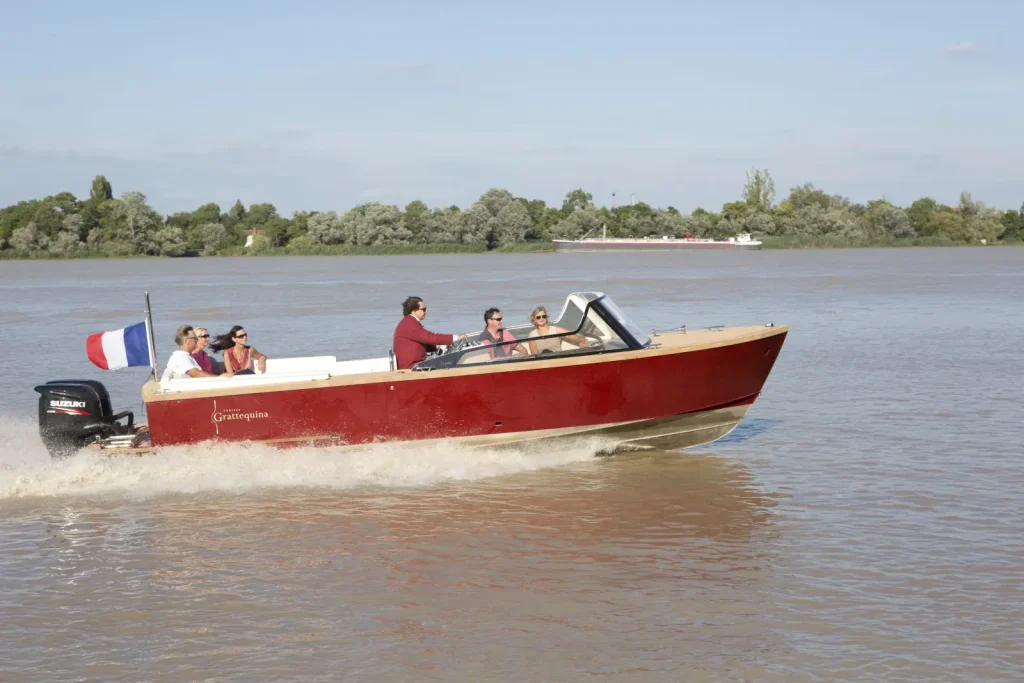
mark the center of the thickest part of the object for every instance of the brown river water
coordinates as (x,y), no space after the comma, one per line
(865,522)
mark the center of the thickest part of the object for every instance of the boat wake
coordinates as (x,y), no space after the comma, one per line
(26,470)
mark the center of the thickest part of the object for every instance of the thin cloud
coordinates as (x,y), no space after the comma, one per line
(962,49)
(414,69)
(424,77)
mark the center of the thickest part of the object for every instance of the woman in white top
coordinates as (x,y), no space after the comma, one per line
(539,318)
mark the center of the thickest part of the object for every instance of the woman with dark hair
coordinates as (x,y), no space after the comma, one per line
(239,358)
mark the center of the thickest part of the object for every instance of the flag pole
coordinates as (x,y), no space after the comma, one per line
(152,341)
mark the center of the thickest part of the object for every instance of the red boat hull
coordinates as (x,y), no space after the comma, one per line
(506,404)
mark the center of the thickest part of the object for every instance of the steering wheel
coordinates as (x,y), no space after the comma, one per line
(593,342)
(459,345)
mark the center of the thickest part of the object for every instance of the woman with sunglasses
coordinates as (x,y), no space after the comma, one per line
(541,328)
(239,357)
(202,358)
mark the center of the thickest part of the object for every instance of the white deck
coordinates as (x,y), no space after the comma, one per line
(279,370)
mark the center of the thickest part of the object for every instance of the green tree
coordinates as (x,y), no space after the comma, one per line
(496,199)
(298,225)
(544,219)
(65,202)
(29,239)
(807,194)
(476,225)
(700,223)
(947,224)
(1013,225)
(101,190)
(735,210)
(887,221)
(260,214)
(237,212)
(512,224)
(577,199)
(756,223)
(444,226)
(170,241)
(213,237)
(207,213)
(74,225)
(813,220)
(920,215)
(16,216)
(984,228)
(416,215)
(325,228)
(968,207)
(759,192)
(67,242)
(374,224)
(191,223)
(577,224)
(135,223)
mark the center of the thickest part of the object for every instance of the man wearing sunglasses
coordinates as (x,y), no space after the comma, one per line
(412,341)
(496,334)
(181,363)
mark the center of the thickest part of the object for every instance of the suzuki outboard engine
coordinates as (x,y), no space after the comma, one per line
(76,412)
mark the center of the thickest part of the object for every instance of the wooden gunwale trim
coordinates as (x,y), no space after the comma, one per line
(669,343)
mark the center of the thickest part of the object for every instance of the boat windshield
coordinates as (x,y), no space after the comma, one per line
(628,325)
(589,323)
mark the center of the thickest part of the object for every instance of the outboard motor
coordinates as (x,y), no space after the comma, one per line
(76,412)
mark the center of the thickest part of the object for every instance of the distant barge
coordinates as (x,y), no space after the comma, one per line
(741,241)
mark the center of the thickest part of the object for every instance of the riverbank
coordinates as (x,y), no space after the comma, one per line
(322,250)
(833,242)
(786,242)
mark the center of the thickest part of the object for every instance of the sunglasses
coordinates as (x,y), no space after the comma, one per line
(190,338)
(497,320)
(203,336)
(540,317)
(241,336)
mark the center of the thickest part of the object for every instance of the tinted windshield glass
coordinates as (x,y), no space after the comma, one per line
(632,328)
(588,323)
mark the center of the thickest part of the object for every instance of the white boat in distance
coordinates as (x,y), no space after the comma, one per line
(741,241)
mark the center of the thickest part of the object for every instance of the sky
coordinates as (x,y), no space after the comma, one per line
(323,106)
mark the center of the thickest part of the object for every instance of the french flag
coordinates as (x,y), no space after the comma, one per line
(124,348)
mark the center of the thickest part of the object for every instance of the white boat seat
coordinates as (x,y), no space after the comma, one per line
(280,370)
(277,366)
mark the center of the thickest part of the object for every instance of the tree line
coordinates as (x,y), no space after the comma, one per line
(61,225)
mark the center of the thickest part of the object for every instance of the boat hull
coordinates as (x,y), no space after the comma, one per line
(667,433)
(674,396)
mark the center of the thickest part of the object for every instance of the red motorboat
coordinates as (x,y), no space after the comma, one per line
(668,390)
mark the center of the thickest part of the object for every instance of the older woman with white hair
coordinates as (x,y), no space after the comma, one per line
(203,359)
(181,364)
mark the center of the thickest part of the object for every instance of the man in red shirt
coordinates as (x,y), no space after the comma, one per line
(412,341)
(495,333)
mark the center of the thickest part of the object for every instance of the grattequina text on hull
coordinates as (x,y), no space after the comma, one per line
(601,375)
